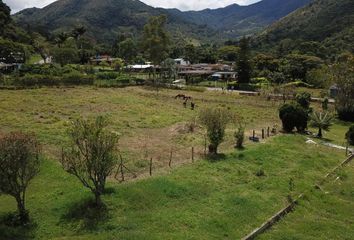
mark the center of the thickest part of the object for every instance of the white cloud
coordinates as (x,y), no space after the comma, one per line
(196,4)
(17,5)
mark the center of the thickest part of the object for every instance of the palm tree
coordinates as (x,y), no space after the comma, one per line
(78,32)
(322,121)
(61,38)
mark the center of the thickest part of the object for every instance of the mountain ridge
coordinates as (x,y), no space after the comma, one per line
(105,18)
(327,23)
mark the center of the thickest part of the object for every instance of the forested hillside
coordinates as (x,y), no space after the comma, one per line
(14,41)
(323,28)
(235,20)
(105,19)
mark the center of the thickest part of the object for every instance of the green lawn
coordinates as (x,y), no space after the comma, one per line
(326,214)
(206,200)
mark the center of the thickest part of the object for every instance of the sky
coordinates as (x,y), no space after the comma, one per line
(17,5)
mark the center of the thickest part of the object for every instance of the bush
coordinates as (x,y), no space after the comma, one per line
(304,99)
(293,116)
(31,80)
(350,135)
(240,137)
(215,120)
(77,79)
(107,75)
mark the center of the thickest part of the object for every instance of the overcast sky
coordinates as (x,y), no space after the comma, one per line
(17,5)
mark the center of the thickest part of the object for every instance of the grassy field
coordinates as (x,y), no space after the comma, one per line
(326,214)
(207,200)
(223,199)
(149,123)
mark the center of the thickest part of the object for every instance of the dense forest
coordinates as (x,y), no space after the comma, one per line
(324,28)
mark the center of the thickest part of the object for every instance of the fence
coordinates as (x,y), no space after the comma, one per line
(167,159)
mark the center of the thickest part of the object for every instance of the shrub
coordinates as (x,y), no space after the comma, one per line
(325,104)
(19,164)
(77,79)
(293,116)
(215,120)
(91,155)
(350,135)
(322,121)
(304,99)
(107,75)
(343,73)
(239,136)
(260,173)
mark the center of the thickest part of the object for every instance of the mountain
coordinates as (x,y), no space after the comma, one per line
(236,20)
(105,19)
(323,25)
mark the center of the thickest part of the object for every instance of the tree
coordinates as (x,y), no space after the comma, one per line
(243,63)
(228,53)
(350,135)
(343,73)
(40,44)
(61,38)
(322,121)
(293,116)
(304,99)
(191,53)
(91,155)
(319,77)
(215,120)
(118,64)
(126,49)
(65,55)
(5,17)
(170,71)
(78,32)
(19,164)
(156,39)
(240,136)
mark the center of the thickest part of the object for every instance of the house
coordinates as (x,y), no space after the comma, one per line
(181,62)
(102,58)
(140,67)
(8,67)
(224,76)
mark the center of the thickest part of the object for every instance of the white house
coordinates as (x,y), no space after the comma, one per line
(182,62)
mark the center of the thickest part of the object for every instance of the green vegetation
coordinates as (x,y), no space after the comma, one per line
(208,199)
(322,28)
(344,78)
(322,121)
(350,135)
(293,116)
(322,213)
(19,164)
(215,120)
(66,103)
(91,156)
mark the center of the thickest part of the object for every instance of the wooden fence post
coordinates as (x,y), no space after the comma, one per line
(192,154)
(263,136)
(150,167)
(268,131)
(121,168)
(254,134)
(170,162)
(205,145)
